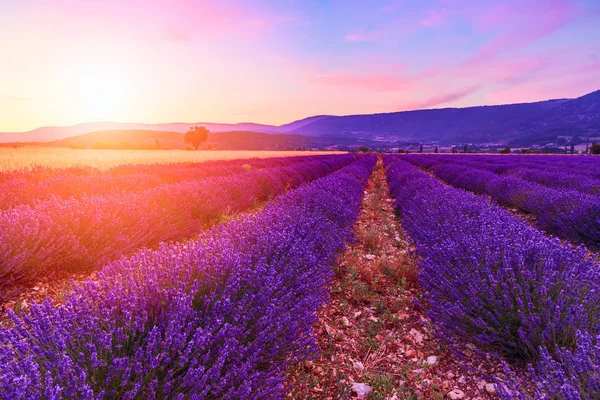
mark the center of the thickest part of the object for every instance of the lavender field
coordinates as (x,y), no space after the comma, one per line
(223,279)
(292,199)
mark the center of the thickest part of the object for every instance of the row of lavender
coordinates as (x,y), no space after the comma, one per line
(584,166)
(80,234)
(568,214)
(492,280)
(561,172)
(217,317)
(42,183)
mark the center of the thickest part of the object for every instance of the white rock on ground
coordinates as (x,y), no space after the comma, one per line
(370,256)
(418,336)
(358,366)
(490,388)
(431,360)
(456,394)
(362,390)
(330,331)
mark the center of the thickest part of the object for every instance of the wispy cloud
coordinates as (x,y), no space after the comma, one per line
(364,81)
(182,20)
(445,98)
(524,24)
(570,82)
(434,18)
(506,70)
(177,35)
(391,7)
(361,35)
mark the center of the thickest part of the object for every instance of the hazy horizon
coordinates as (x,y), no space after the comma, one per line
(268,62)
(263,123)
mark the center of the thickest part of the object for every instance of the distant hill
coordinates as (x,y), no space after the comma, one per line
(513,124)
(577,117)
(525,124)
(481,124)
(300,123)
(134,139)
(241,140)
(234,140)
(52,133)
(149,139)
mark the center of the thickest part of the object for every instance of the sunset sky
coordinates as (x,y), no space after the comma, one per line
(65,62)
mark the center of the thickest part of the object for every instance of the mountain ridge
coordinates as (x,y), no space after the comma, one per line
(517,124)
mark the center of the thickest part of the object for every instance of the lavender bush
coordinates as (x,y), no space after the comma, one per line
(567,375)
(217,317)
(493,280)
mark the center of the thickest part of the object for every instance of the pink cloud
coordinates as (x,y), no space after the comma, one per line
(364,82)
(493,16)
(390,8)
(593,68)
(434,18)
(444,98)
(207,18)
(524,24)
(527,93)
(177,35)
(504,70)
(360,35)
(565,82)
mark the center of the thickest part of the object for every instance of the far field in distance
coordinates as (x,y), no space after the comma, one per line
(27,157)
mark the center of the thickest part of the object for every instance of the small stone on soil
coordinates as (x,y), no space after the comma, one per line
(362,390)
(490,388)
(456,394)
(358,366)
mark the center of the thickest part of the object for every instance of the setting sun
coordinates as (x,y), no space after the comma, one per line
(99,92)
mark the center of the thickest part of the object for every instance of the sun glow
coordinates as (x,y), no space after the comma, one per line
(100,92)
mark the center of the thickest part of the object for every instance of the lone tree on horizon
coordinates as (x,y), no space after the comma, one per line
(196,136)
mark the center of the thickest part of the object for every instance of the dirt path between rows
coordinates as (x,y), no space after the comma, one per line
(376,341)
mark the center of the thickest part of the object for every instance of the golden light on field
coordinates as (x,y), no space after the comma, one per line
(29,157)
